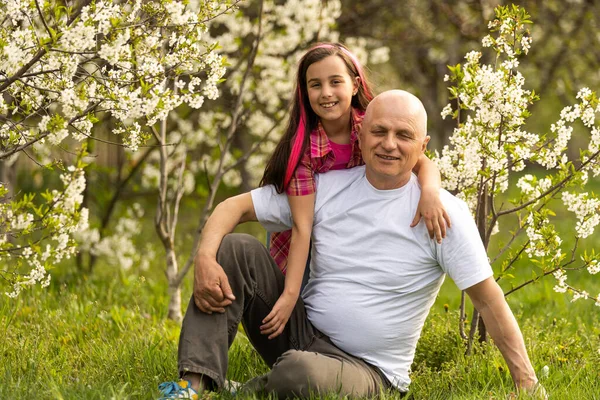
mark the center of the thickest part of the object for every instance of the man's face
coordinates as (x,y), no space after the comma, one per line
(391,141)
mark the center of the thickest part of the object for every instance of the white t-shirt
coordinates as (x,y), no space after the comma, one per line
(373,278)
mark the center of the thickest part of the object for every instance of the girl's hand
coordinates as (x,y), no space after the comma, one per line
(432,210)
(274,323)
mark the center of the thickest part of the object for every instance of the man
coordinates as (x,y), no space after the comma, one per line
(373,278)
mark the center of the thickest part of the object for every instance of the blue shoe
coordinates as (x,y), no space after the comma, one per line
(177,390)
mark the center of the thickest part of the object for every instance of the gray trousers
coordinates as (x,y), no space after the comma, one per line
(303,361)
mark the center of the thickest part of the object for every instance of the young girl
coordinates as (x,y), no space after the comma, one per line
(330,100)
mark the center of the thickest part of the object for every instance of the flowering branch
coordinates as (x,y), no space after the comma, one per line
(490,145)
(43,135)
(103,56)
(555,188)
(224,151)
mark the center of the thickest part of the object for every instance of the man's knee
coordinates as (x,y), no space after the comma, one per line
(296,373)
(237,247)
(235,241)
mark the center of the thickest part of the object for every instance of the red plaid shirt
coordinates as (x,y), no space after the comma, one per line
(318,157)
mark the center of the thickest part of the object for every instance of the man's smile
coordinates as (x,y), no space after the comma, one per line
(386,157)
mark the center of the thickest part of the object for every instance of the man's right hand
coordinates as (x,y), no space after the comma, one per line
(212,292)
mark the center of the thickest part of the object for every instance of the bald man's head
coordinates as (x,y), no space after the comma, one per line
(402,103)
(392,138)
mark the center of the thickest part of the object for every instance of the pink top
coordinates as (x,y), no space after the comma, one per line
(343,154)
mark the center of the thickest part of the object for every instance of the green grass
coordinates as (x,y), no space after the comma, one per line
(107,337)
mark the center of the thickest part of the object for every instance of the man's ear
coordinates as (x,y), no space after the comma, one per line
(425,141)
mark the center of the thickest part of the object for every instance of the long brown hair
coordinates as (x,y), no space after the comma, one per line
(303,119)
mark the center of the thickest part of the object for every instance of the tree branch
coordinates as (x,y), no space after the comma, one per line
(121,186)
(532,280)
(32,74)
(162,197)
(37,5)
(178,197)
(41,52)
(550,190)
(515,258)
(232,130)
(507,246)
(43,135)
(463,317)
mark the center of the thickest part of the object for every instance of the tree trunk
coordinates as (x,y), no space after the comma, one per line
(481,220)
(482,216)
(463,316)
(174,311)
(472,330)
(482,330)
(85,202)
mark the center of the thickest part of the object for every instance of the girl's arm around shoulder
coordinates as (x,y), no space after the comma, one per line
(430,205)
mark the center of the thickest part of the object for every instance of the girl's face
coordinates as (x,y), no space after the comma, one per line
(330,88)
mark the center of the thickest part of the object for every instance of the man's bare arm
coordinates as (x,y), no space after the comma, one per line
(227,215)
(212,292)
(500,322)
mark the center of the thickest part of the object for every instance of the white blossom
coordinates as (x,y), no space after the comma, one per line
(23,221)
(593,267)
(446,111)
(587,212)
(119,249)
(526,43)
(473,57)
(583,94)
(379,55)
(43,124)
(79,38)
(580,295)
(57,137)
(487,41)
(561,286)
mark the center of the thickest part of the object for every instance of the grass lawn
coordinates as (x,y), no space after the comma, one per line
(105,336)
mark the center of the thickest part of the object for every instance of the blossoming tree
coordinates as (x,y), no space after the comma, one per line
(64,68)
(61,65)
(228,141)
(490,150)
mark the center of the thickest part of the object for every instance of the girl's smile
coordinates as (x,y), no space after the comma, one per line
(329,105)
